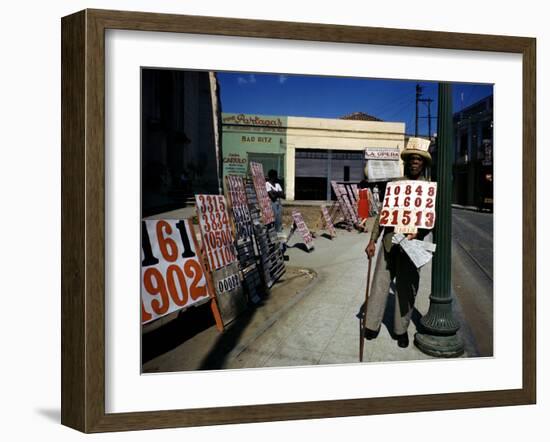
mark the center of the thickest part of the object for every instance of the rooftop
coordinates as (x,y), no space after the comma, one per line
(360,116)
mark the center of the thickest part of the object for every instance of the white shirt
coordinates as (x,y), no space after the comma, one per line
(269,187)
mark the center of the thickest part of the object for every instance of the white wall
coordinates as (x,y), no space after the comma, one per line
(30,183)
(325,133)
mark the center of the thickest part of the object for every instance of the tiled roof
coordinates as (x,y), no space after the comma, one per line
(360,116)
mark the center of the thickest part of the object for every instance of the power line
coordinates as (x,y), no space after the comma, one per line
(391,105)
(403,106)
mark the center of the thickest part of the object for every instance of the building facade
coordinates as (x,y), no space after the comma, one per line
(473,160)
(180,128)
(308,153)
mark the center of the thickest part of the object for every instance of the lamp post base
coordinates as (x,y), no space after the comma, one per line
(439,346)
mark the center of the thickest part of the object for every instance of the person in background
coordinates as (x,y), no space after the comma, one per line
(363,208)
(376,197)
(275,192)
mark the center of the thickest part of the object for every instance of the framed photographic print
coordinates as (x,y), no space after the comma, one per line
(227,187)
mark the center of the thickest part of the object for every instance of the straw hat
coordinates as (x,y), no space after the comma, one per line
(417,146)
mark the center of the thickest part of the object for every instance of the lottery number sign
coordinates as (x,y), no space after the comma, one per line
(328,221)
(239,206)
(409,206)
(345,205)
(171,274)
(258,178)
(302,229)
(229,292)
(215,230)
(228,284)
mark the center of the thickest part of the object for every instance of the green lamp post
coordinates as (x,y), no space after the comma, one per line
(439,337)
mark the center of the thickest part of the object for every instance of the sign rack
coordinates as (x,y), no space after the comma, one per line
(252,281)
(267,246)
(345,205)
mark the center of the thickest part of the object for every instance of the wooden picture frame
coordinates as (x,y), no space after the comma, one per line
(83,220)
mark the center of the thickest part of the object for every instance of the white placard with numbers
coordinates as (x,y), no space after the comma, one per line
(409,206)
(215,231)
(172,277)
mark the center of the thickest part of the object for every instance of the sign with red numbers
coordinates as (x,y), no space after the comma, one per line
(172,277)
(302,229)
(345,205)
(258,178)
(239,205)
(409,206)
(328,221)
(216,231)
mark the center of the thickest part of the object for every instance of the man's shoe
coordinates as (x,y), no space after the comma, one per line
(403,340)
(371,334)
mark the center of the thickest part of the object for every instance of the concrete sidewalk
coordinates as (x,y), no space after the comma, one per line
(324,327)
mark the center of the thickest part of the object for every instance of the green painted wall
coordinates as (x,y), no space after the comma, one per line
(260,137)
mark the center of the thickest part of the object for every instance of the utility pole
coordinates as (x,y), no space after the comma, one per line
(439,337)
(428,102)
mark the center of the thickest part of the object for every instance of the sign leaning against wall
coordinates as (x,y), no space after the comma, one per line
(172,277)
(219,247)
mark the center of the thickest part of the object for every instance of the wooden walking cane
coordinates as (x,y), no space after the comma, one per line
(364,317)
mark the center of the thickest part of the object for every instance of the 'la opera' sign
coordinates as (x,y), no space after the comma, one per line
(382,153)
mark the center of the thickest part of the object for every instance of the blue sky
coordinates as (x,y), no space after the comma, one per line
(333,97)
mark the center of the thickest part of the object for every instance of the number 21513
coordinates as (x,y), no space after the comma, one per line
(406,217)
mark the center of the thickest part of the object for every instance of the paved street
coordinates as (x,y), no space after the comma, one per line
(473,232)
(472,275)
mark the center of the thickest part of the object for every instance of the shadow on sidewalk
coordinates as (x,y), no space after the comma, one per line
(174,333)
(253,320)
(299,245)
(227,341)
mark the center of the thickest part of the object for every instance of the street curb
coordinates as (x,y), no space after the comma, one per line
(470,208)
